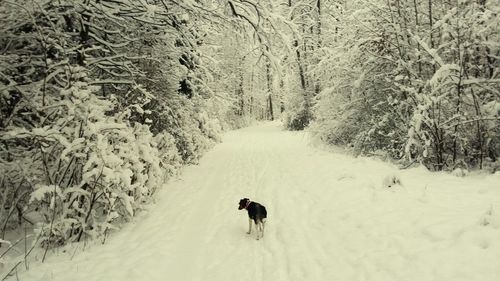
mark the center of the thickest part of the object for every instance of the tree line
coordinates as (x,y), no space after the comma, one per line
(414,81)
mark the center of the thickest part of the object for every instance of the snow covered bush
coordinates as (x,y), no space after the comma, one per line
(193,131)
(93,118)
(298,114)
(451,127)
(97,169)
(170,160)
(94,168)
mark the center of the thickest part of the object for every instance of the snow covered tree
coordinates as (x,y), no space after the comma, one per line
(413,79)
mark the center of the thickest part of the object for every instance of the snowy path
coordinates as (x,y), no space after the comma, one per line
(329,219)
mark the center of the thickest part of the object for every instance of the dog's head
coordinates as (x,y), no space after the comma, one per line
(243,203)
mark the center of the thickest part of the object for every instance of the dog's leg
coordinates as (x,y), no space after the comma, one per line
(249,226)
(263,226)
(258,226)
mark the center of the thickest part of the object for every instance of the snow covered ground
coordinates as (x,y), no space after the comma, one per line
(330,218)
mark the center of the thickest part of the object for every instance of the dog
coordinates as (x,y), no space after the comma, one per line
(257,213)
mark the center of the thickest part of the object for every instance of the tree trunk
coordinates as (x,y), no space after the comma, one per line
(241,94)
(430,32)
(317,86)
(269,90)
(418,45)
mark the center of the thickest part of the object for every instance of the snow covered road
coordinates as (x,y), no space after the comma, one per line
(329,218)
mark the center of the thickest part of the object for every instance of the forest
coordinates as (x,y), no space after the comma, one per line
(103,101)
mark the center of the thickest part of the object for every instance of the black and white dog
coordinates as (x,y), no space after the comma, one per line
(257,213)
